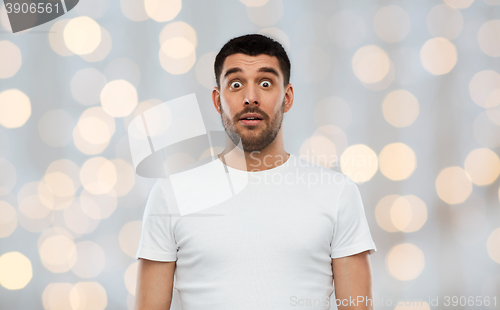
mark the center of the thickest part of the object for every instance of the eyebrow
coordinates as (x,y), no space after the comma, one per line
(263,69)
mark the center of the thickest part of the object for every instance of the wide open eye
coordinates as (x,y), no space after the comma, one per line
(266,82)
(235,83)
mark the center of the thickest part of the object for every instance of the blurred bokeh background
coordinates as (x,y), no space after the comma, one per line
(412,85)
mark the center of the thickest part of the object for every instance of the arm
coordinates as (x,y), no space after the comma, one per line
(155,281)
(353,278)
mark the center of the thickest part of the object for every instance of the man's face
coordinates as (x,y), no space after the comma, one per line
(252,84)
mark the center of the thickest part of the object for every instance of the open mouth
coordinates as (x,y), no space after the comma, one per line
(251,120)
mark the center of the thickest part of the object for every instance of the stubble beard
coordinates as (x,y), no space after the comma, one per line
(250,140)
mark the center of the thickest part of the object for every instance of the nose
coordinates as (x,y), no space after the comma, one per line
(251,96)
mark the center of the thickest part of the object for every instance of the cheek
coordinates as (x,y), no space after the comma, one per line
(278,108)
(226,110)
(226,104)
(227,113)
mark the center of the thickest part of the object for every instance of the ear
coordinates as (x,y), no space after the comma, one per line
(288,97)
(216,99)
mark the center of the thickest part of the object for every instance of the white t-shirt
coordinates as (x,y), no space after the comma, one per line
(270,246)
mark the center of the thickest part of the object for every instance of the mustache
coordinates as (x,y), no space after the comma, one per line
(252,110)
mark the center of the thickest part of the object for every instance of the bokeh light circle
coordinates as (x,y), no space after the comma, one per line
(397,161)
(392,23)
(125,177)
(370,64)
(486,130)
(8,220)
(179,29)
(130,278)
(59,184)
(177,65)
(205,70)
(162,10)
(438,56)
(488,38)
(400,108)
(319,150)
(94,130)
(77,220)
(102,50)
(484,87)
(459,4)
(445,21)
(278,35)
(266,14)
(90,260)
(82,35)
(134,10)
(405,261)
(56,296)
(87,139)
(56,38)
(493,245)
(16,270)
(383,213)
(98,206)
(254,3)
(98,175)
(177,48)
(129,237)
(58,253)
(15,108)
(453,185)
(10,59)
(359,162)
(88,295)
(119,98)
(483,166)
(401,213)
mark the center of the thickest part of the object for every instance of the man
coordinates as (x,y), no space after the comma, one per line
(283,240)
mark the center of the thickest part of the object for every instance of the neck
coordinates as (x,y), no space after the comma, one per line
(272,156)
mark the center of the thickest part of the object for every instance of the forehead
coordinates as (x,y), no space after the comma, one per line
(250,63)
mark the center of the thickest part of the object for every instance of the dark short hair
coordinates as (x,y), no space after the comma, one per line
(253,45)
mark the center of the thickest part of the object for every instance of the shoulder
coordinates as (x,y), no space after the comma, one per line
(159,186)
(161,198)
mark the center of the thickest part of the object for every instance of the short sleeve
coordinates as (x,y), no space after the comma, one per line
(351,233)
(157,239)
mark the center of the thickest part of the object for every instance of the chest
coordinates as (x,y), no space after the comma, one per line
(257,229)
